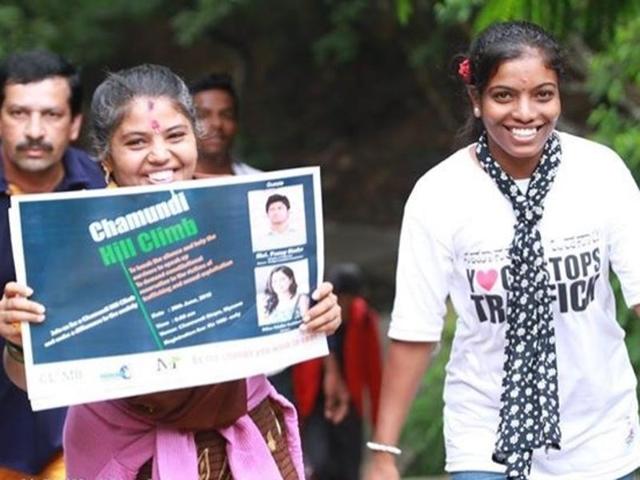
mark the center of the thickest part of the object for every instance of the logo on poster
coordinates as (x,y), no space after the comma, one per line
(123,373)
(61,376)
(170,363)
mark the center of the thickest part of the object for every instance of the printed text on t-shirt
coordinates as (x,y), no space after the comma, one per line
(573,279)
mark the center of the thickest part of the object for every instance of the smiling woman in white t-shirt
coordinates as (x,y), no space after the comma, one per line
(520,230)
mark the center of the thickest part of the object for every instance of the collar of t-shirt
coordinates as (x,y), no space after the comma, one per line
(523,184)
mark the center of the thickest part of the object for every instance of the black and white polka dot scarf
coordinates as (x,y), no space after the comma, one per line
(529,415)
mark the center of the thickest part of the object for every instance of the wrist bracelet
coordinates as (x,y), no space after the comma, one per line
(15,351)
(382,447)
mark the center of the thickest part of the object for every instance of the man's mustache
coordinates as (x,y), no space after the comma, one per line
(33,145)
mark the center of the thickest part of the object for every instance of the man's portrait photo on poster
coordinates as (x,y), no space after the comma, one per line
(277,218)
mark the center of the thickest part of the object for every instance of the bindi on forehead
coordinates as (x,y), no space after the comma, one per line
(155,126)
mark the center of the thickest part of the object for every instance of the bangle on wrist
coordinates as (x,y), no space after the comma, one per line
(15,351)
(383,447)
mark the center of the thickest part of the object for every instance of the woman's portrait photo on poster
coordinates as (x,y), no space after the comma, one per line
(277,217)
(282,292)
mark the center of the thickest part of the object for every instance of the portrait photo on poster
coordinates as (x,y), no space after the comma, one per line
(282,294)
(277,217)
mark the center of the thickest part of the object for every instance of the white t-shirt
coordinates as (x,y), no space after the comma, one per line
(240,168)
(456,232)
(272,239)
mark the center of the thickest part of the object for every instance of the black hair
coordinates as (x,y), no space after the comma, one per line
(495,45)
(272,297)
(276,197)
(346,278)
(216,81)
(37,65)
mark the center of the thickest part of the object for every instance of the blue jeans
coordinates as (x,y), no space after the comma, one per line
(500,476)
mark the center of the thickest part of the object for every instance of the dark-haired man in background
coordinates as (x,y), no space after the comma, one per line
(40,114)
(217,106)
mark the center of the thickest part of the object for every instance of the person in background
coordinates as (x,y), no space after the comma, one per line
(520,229)
(217,107)
(40,115)
(333,450)
(144,132)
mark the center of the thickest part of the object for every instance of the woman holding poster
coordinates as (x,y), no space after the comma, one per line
(144,131)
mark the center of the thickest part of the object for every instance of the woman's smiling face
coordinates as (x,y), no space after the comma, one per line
(281,284)
(153,144)
(519,108)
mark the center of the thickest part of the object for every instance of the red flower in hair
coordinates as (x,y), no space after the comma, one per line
(464,70)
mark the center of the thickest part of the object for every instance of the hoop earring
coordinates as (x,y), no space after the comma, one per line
(107,173)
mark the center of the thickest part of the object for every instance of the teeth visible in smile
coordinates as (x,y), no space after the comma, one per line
(523,132)
(162,176)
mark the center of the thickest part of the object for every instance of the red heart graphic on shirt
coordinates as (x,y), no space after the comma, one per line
(487,279)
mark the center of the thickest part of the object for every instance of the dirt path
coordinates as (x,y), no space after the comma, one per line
(373,248)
